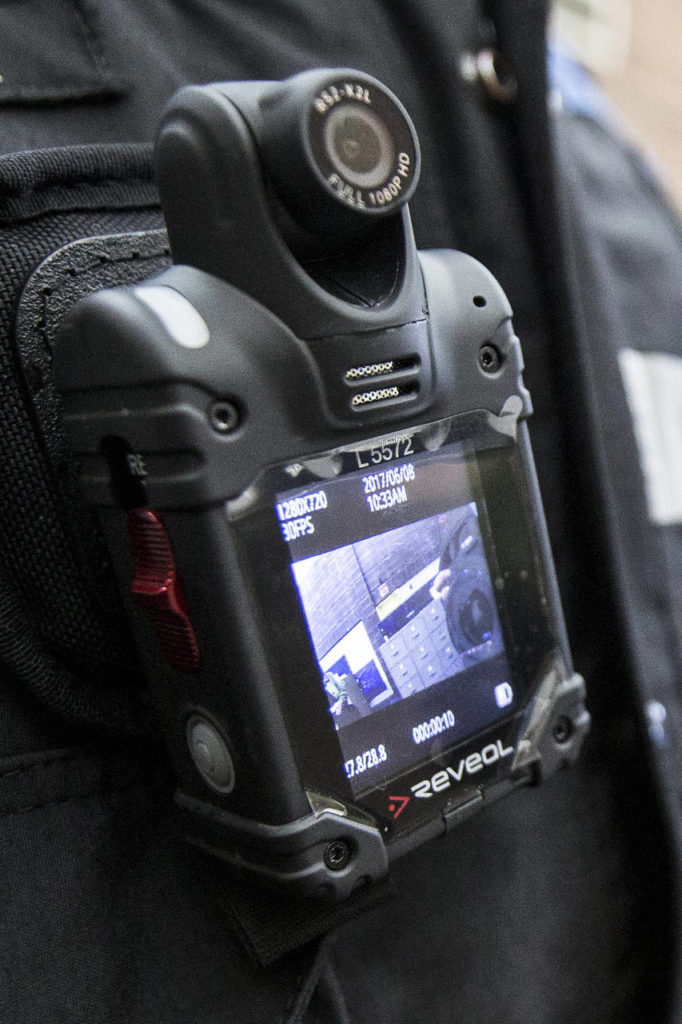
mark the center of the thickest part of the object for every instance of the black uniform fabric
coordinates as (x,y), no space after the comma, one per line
(559,904)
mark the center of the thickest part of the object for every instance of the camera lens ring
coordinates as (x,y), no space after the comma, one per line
(361,144)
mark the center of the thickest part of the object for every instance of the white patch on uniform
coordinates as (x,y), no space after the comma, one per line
(653,385)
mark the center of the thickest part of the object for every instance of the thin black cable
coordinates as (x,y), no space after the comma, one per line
(296,1012)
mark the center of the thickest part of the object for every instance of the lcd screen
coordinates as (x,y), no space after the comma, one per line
(392,567)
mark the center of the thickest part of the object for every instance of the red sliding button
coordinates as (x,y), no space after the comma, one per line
(157,589)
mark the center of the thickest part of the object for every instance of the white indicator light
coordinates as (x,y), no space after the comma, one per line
(183,322)
(504,695)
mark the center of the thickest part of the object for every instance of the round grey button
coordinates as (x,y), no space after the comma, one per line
(210,754)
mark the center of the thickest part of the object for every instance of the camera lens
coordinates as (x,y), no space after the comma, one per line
(470,610)
(476,619)
(339,151)
(359,146)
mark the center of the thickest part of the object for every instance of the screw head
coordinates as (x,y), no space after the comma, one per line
(562,729)
(489,359)
(224,416)
(337,855)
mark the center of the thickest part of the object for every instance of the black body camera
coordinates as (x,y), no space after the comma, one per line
(306,443)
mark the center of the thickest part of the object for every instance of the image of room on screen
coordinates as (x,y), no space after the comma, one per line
(398,612)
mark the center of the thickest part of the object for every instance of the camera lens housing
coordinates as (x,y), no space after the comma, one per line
(339,148)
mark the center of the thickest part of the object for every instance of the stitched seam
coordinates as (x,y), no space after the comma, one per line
(91,39)
(40,765)
(73,799)
(134,255)
(70,273)
(67,90)
(91,46)
(86,183)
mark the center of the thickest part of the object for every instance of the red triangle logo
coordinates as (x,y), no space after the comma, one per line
(397,805)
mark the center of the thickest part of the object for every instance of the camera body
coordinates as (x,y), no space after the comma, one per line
(306,443)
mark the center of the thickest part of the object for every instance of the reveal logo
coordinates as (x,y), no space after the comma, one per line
(468,765)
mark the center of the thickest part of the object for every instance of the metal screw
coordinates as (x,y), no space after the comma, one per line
(563,730)
(337,855)
(489,359)
(224,416)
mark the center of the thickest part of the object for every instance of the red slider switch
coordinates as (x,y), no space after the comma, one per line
(156,587)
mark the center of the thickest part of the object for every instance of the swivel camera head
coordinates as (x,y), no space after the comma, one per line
(340,150)
(273,186)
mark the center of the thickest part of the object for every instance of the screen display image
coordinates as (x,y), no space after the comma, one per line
(403,621)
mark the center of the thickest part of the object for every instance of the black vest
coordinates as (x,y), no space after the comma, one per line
(558,905)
